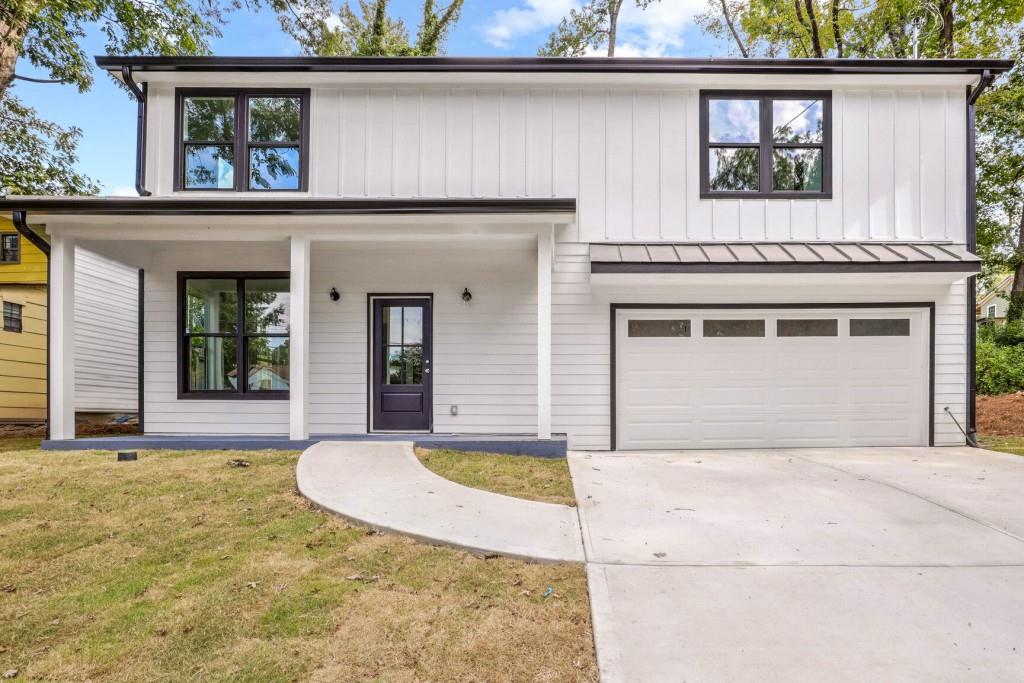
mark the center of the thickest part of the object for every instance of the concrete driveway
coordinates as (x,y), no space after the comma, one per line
(805,565)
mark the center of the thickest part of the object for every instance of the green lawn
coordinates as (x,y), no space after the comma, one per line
(180,567)
(1006,444)
(543,479)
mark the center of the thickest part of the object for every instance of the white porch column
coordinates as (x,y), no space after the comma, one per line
(62,337)
(298,387)
(545,247)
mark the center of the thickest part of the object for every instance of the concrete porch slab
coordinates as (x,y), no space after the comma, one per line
(505,444)
(383,485)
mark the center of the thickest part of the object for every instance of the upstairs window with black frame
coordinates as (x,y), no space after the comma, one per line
(12,317)
(766,144)
(242,140)
(10,247)
(234,335)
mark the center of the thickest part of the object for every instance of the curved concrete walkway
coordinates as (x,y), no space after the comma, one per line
(383,485)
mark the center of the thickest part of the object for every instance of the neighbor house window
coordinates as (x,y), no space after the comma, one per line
(242,140)
(12,317)
(992,311)
(766,144)
(234,335)
(10,248)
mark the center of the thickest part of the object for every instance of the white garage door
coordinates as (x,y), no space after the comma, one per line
(746,378)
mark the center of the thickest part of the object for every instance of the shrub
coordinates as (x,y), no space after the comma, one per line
(1000,367)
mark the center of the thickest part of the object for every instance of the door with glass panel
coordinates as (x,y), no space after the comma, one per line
(401,364)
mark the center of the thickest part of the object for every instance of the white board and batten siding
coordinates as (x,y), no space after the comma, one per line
(106,334)
(629,156)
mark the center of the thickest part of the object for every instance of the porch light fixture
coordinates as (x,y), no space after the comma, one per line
(466,296)
(334,294)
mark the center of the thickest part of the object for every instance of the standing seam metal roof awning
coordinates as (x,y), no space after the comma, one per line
(782,257)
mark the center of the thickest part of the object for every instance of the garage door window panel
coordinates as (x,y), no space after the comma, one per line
(734,328)
(659,328)
(821,327)
(880,327)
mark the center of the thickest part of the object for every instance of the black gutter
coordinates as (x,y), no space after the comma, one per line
(972,246)
(556,65)
(20,220)
(142,98)
(262,206)
(868,267)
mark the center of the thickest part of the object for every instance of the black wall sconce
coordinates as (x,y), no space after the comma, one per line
(334,294)
(466,296)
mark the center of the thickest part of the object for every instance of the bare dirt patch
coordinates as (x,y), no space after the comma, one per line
(1001,415)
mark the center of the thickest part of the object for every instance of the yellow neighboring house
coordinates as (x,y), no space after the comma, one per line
(23,337)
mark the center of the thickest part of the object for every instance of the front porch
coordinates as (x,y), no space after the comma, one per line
(487,276)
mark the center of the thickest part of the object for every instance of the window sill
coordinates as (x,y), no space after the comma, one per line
(766,195)
(231,396)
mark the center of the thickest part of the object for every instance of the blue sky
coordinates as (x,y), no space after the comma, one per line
(106,114)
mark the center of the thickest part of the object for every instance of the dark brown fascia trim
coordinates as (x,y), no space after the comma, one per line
(965,267)
(557,65)
(281,206)
(615,308)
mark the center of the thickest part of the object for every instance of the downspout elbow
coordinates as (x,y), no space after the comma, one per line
(20,220)
(141,98)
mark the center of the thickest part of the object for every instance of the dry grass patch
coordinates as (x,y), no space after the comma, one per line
(543,479)
(1006,444)
(180,567)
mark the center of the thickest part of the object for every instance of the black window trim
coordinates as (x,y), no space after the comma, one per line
(17,249)
(241,139)
(241,361)
(19,309)
(766,144)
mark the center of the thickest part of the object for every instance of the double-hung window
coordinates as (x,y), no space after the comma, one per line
(242,140)
(10,247)
(766,144)
(234,339)
(12,317)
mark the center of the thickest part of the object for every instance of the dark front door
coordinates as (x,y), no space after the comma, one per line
(402,377)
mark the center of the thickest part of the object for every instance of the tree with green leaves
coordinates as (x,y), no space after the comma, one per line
(39,156)
(863,28)
(587,29)
(1001,184)
(371,31)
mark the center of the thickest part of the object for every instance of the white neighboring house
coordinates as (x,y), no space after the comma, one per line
(106,343)
(633,253)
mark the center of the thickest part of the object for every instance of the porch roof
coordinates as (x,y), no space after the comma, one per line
(270,206)
(783,257)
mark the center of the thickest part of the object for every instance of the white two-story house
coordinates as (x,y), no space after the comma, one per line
(613,253)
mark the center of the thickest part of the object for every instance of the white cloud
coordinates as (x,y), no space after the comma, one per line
(529,17)
(123,191)
(654,32)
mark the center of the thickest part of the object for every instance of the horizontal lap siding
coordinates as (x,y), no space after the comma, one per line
(485,354)
(23,356)
(106,334)
(165,414)
(581,339)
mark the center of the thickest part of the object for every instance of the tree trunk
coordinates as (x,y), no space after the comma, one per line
(1016,298)
(837,35)
(946,35)
(815,37)
(732,29)
(613,23)
(12,35)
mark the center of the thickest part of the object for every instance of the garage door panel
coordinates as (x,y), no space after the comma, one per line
(741,392)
